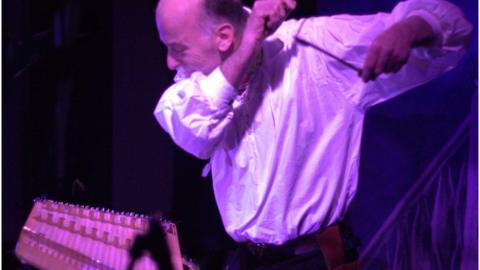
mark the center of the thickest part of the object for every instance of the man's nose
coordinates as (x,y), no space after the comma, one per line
(172,63)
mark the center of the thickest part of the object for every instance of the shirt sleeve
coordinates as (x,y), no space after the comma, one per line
(349,38)
(196,110)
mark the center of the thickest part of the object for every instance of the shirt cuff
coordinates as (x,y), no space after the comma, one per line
(217,89)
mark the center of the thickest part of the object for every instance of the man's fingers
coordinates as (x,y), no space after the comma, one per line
(276,11)
(390,67)
(395,67)
(388,52)
(290,4)
(382,61)
(367,75)
(368,70)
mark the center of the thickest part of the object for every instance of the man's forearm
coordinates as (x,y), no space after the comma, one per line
(390,50)
(236,66)
(265,18)
(422,32)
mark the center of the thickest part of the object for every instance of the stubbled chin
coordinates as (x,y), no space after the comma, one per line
(183,73)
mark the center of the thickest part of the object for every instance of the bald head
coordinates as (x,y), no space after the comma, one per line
(175,14)
(199,34)
(206,13)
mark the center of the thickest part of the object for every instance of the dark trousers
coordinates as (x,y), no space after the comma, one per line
(337,241)
(243,259)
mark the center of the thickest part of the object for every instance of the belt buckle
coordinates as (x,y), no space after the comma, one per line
(257,249)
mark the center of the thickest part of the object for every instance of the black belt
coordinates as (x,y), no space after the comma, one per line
(336,242)
(293,247)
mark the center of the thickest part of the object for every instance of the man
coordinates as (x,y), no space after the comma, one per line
(281,121)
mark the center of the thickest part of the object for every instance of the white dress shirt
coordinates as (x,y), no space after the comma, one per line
(285,153)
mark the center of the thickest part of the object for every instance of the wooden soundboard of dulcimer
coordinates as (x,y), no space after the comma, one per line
(60,236)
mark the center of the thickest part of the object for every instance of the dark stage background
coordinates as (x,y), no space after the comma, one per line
(81,79)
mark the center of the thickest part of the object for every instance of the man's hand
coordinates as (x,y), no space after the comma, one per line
(391,49)
(266,17)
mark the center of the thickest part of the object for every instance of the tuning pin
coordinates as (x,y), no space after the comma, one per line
(48,205)
(60,222)
(105,237)
(71,225)
(92,215)
(172,229)
(116,241)
(94,233)
(112,218)
(132,222)
(49,217)
(82,230)
(50,252)
(143,224)
(58,255)
(72,210)
(128,243)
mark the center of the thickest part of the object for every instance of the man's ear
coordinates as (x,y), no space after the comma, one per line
(225,36)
